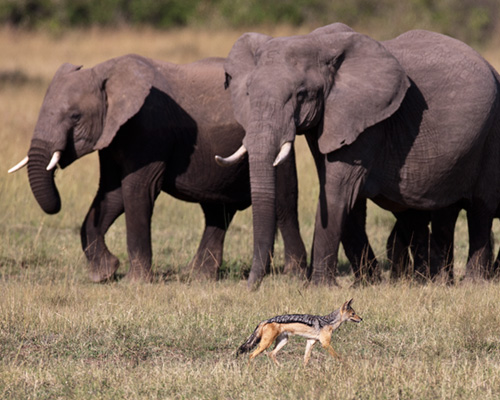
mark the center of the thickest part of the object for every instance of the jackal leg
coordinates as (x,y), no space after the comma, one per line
(281,340)
(325,342)
(309,346)
(269,333)
(332,351)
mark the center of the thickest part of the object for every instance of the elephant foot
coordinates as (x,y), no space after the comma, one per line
(475,272)
(254,280)
(206,268)
(444,278)
(104,270)
(326,280)
(366,281)
(143,275)
(296,267)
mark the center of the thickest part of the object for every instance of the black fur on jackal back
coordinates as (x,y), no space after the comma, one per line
(317,321)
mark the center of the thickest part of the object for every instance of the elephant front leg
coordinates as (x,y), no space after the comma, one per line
(326,242)
(208,257)
(105,209)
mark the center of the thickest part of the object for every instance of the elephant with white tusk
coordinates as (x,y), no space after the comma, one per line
(411,123)
(157,127)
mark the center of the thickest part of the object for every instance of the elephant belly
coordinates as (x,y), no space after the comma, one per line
(205,188)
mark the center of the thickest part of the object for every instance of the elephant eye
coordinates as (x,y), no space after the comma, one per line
(75,117)
(301,95)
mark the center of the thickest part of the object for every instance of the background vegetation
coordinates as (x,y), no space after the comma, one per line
(469,20)
(63,337)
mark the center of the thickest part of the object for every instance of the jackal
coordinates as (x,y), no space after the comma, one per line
(315,328)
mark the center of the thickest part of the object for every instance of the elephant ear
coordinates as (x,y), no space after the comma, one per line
(127,82)
(238,65)
(369,85)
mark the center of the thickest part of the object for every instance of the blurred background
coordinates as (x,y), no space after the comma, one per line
(473,21)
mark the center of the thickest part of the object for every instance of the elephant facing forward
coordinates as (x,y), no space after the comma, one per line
(411,123)
(157,126)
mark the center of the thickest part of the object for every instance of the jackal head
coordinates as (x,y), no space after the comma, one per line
(347,313)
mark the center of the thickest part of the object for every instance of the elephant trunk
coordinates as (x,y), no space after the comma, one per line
(41,180)
(265,151)
(263,185)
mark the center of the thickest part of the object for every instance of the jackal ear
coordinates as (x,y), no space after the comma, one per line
(347,305)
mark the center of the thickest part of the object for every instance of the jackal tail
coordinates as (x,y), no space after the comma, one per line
(252,341)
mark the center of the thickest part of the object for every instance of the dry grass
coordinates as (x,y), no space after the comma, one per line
(62,337)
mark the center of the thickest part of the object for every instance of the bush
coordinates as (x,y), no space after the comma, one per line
(470,20)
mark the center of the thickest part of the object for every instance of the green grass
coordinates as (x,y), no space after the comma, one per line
(63,337)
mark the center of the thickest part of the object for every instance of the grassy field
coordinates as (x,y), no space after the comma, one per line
(63,337)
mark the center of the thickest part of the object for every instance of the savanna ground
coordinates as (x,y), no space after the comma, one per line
(63,337)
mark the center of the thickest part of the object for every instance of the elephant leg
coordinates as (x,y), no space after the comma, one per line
(496,266)
(357,247)
(410,238)
(479,222)
(442,243)
(335,197)
(105,209)
(208,257)
(397,253)
(287,217)
(420,250)
(140,190)
(327,236)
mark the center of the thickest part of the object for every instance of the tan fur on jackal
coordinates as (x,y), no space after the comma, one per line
(315,328)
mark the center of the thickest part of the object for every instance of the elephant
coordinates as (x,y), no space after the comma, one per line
(410,123)
(431,250)
(156,127)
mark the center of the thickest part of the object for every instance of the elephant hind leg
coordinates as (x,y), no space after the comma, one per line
(442,243)
(479,263)
(208,258)
(357,247)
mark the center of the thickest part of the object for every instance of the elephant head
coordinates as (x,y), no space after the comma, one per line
(82,111)
(333,81)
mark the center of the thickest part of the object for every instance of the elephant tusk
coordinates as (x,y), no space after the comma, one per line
(283,154)
(54,160)
(232,159)
(19,165)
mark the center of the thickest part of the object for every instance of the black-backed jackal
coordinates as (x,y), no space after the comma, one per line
(315,328)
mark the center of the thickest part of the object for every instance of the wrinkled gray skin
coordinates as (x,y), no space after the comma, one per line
(157,127)
(412,122)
